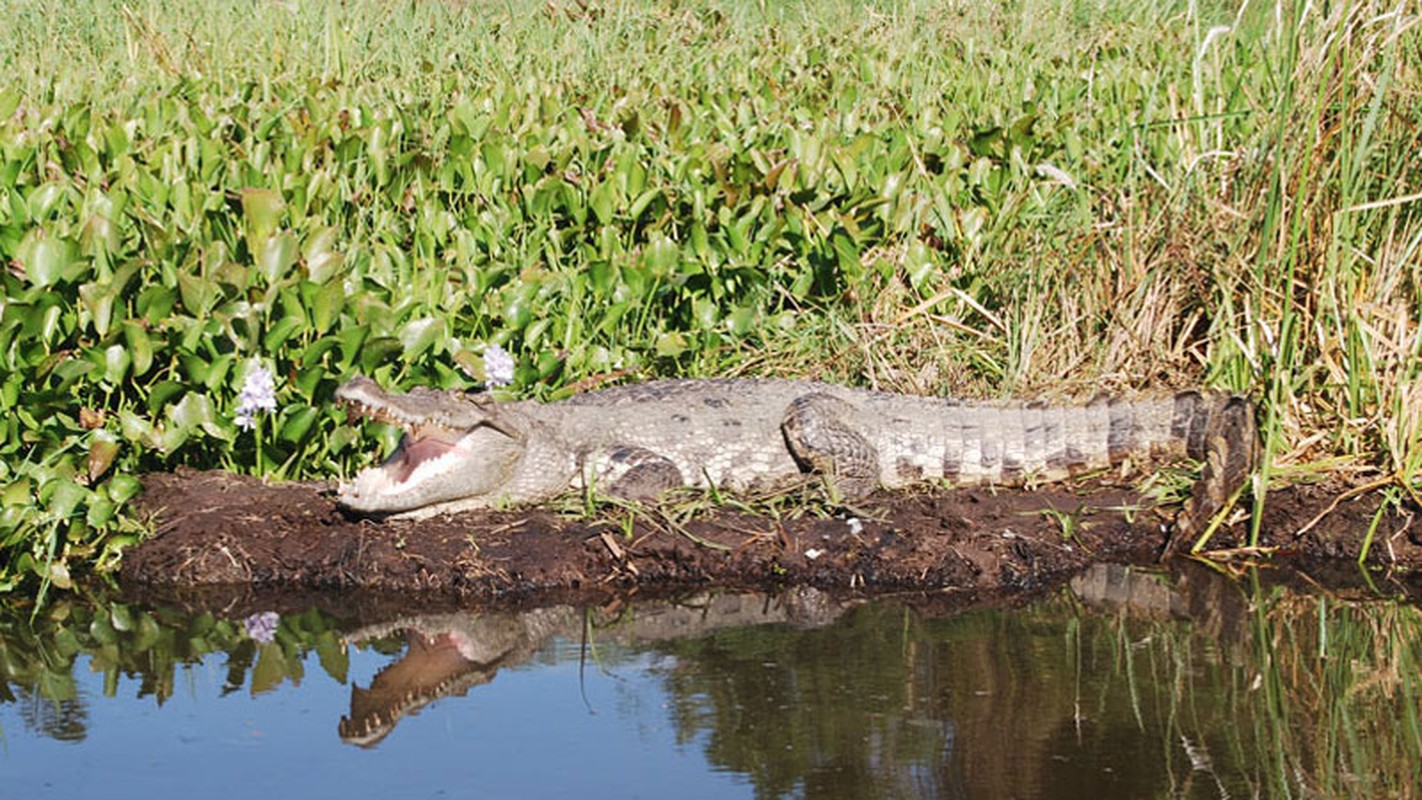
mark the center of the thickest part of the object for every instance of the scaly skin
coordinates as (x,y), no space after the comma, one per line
(464,451)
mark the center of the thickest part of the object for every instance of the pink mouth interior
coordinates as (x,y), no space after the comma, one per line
(413,452)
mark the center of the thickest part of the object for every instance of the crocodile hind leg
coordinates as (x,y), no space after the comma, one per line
(1231,453)
(819,432)
(634,473)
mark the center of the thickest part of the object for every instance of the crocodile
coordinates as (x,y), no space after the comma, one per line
(447,655)
(467,450)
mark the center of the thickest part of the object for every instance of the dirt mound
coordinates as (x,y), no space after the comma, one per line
(216,528)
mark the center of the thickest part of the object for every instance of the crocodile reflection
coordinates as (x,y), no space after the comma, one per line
(1163,680)
(446,655)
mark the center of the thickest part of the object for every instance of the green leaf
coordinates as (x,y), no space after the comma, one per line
(116,363)
(46,260)
(123,488)
(661,255)
(417,335)
(140,347)
(193,411)
(155,303)
(282,331)
(121,618)
(17,494)
(322,259)
(706,313)
(377,352)
(919,264)
(10,390)
(326,305)
(276,255)
(98,300)
(639,206)
(9,101)
(261,210)
(269,670)
(162,392)
(101,513)
(333,656)
(602,200)
(65,497)
(298,423)
(198,293)
(137,429)
(671,345)
(59,576)
(101,630)
(742,320)
(218,370)
(43,200)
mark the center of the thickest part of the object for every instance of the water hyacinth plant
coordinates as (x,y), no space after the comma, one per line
(261,627)
(993,198)
(498,366)
(258,396)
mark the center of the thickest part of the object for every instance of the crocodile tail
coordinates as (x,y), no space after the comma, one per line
(1215,428)
(1012,443)
(1228,445)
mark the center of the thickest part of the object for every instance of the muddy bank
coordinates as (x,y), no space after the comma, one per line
(218,529)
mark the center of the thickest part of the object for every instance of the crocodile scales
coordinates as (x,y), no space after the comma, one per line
(466,450)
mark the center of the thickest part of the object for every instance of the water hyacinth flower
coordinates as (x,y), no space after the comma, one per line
(258,394)
(261,627)
(498,366)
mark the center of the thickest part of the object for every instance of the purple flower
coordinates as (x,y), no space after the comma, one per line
(258,394)
(261,627)
(498,366)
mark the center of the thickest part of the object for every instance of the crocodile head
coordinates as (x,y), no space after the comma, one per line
(434,666)
(458,448)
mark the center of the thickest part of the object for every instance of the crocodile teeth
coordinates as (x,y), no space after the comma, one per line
(359,410)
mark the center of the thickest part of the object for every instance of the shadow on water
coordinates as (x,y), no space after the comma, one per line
(1137,683)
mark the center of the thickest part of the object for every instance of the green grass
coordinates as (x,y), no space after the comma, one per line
(982,198)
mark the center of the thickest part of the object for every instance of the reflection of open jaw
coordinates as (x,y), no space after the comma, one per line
(433,666)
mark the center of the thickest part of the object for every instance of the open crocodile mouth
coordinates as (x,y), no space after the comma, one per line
(423,445)
(432,667)
(418,447)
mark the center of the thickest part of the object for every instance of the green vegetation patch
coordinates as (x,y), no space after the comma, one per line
(982,197)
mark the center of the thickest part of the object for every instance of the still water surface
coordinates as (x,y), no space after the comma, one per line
(1125,684)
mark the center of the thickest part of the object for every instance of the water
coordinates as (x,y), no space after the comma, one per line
(1126,684)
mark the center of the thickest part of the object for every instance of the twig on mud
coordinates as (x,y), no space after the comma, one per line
(1351,493)
(619,555)
(1260,553)
(508,526)
(612,546)
(672,526)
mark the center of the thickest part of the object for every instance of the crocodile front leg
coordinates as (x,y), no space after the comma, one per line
(821,436)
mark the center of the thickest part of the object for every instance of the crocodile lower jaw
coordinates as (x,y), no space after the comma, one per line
(395,485)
